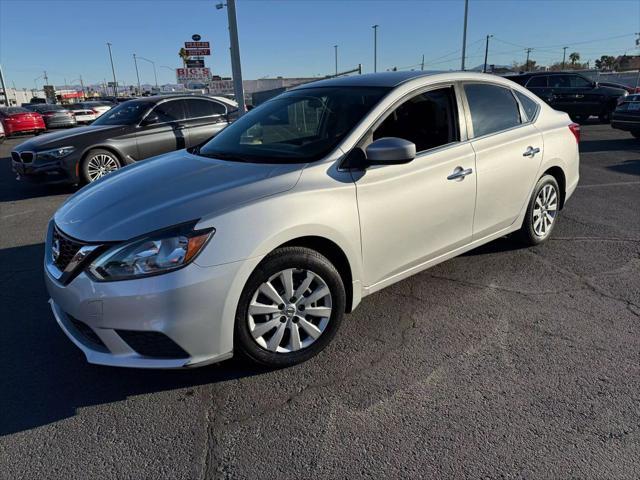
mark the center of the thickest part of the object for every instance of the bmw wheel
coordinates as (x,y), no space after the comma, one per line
(290,308)
(542,211)
(97,164)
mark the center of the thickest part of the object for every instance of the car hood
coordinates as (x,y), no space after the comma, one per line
(68,137)
(165,191)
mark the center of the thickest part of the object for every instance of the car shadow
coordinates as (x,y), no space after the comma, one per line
(12,189)
(44,378)
(630,167)
(619,144)
(502,244)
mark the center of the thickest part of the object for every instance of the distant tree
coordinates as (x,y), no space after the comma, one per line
(574,57)
(184,55)
(528,66)
(606,62)
(555,67)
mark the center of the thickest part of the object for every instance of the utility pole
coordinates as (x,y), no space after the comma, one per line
(4,88)
(46,79)
(82,87)
(375,48)
(335,47)
(526,63)
(113,70)
(564,55)
(464,32)
(486,54)
(135,62)
(422,65)
(236,70)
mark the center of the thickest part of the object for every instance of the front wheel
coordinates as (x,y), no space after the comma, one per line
(290,308)
(542,212)
(636,133)
(98,163)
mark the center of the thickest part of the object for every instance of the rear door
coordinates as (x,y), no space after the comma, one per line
(166,133)
(568,96)
(508,151)
(538,84)
(205,118)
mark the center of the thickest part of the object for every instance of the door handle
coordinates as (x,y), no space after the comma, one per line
(530,152)
(179,127)
(459,173)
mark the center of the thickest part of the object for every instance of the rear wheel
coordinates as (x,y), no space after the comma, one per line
(98,163)
(636,133)
(542,212)
(290,308)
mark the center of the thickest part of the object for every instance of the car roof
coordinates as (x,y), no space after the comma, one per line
(382,79)
(158,98)
(536,74)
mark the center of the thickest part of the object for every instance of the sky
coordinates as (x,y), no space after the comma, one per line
(67,38)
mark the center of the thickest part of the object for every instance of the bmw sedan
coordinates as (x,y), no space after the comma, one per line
(259,241)
(132,131)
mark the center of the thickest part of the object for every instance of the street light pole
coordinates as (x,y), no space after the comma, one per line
(486,54)
(154,68)
(375,48)
(564,56)
(422,65)
(236,69)
(335,47)
(135,62)
(526,63)
(113,70)
(464,32)
(4,88)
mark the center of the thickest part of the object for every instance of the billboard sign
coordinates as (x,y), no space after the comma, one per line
(198,51)
(188,45)
(192,63)
(185,75)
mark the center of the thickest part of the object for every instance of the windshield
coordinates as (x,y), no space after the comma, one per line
(300,126)
(128,113)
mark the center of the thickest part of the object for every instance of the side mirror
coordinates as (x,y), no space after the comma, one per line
(150,119)
(390,151)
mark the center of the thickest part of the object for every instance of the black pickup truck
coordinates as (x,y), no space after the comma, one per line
(572,93)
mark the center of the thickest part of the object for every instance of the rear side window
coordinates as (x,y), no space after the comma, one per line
(170,111)
(579,82)
(429,120)
(492,108)
(539,82)
(199,107)
(530,107)
(560,81)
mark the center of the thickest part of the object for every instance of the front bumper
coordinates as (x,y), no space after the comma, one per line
(626,123)
(193,307)
(56,171)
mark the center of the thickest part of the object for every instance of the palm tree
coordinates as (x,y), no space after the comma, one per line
(574,57)
(184,55)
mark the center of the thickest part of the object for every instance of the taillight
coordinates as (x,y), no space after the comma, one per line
(575,129)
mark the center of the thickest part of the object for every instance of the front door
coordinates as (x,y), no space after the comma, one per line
(508,151)
(162,130)
(417,211)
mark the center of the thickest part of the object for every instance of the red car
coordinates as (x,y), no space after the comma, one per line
(20,120)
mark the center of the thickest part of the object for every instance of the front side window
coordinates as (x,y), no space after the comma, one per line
(171,111)
(560,81)
(128,113)
(298,126)
(530,107)
(492,108)
(429,120)
(537,82)
(579,82)
(199,107)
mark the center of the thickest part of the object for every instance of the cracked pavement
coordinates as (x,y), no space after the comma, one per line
(503,363)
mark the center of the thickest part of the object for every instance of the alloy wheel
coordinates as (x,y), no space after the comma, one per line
(289,311)
(545,210)
(100,165)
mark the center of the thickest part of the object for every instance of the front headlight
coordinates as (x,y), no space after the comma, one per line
(56,153)
(157,253)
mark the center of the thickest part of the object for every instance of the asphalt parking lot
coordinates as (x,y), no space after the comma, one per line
(503,363)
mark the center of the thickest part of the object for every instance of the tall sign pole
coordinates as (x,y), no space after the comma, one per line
(236,70)
(375,48)
(464,32)
(4,88)
(135,62)
(486,54)
(113,70)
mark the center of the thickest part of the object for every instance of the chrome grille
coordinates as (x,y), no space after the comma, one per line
(63,249)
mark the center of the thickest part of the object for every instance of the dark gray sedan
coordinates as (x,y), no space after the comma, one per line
(129,132)
(54,115)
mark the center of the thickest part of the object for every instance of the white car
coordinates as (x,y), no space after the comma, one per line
(83,114)
(3,137)
(97,107)
(261,239)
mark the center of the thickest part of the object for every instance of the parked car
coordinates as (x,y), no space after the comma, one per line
(627,88)
(129,132)
(98,107)
(18,120)
(83,114)
(259,240)
(3,137)
(54,115)
(572,93)
(627,116)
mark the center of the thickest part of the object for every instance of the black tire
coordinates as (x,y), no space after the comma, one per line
(636,133)
(279,260)
(527,233)
(605,117)
(84,167)
(2,139)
